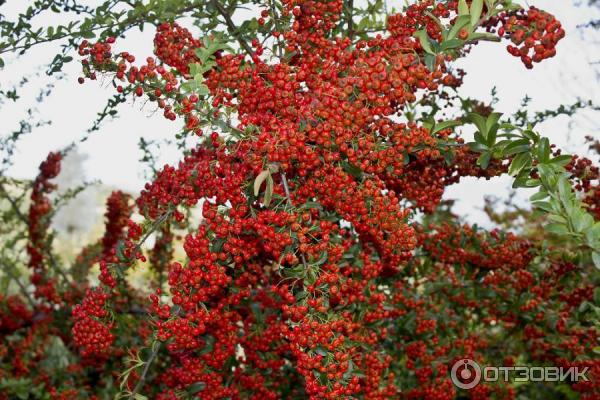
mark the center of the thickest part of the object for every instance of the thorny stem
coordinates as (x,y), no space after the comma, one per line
(23,218)
(9,271)
(13,204)
(147,364)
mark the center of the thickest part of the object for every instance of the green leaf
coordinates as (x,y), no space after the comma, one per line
(543,205)
(480,123)
(515,147)
(476,8)
(492,134)
(557,218)
(484,160)
(260,178)
(542,194)
(561,160)
(460,23)
(596,259)
(202,90)
(582,221)
(452,44)
(492,119)
(463,8)
(479,138)
(268,191)
(352,169)
(484,36)
(478,147)
(444,125)
(518,163)
(424,40)
(557,229)
(593,235)
(564,188)
(543,150)
(196,387)
(430,62)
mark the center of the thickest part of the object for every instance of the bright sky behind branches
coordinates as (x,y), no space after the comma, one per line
(112,154)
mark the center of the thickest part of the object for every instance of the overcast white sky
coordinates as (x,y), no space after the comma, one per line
(112,154)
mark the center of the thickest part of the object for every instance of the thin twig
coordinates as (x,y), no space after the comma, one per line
(9,270)
(142,380)
(233,30)
(13,204)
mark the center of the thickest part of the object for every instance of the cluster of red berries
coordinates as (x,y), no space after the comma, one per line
(38,223)
(534,33)
(90,331)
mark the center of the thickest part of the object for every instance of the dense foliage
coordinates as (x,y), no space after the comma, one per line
(325,265)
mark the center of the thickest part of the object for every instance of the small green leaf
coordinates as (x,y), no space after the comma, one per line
(352,169)
(557,218)
(196,387)
(452,44)
(561,160)
(582,221)
(484,159)
(463,8)
(475,11)
(268,191)
(424,40)
(593,235)
(596,259)
(564,188)
(515,147)
(430,62)
(492,119)
(479,122)
(202,90)
(484,36)
(460,23)
(543,205)
(478,147)
(543,150)
(444,125)
(519,163)
(542,194)
(557,229)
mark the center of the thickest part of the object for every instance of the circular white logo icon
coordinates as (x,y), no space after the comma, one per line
(465,374)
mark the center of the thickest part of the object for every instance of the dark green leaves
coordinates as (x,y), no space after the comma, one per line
(440,126)
(519,163)
(460,23)
(475,11)
(424,40)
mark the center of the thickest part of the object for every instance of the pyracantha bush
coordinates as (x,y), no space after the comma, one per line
(309,274)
